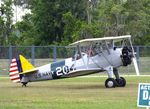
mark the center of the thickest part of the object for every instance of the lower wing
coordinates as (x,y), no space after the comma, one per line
(81,72)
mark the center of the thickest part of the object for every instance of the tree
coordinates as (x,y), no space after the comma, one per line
(48,18)
(24,33)
(138,21)
(121,17)
(6,21)
(24,3)
(64,21)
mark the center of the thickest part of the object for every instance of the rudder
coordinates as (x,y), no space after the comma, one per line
(14,71)
(18,65)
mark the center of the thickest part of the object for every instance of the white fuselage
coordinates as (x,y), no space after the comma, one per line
(63,68)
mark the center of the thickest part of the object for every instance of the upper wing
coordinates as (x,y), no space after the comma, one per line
(86,42)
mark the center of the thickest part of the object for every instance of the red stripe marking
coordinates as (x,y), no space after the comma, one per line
(16,78)
(13,70)
(13,66)
(13,62)
(13,74)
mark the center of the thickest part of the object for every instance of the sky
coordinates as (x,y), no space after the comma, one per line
(18,12)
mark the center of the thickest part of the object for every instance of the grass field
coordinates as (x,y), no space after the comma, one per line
(74,93)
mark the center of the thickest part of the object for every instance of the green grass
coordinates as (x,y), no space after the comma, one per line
(74,93)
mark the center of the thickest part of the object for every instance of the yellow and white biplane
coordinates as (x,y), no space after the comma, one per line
(92,56)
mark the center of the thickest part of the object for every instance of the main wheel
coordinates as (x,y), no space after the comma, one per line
(110,83)
(121,82)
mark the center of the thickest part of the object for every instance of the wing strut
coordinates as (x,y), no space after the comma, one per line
(134,59)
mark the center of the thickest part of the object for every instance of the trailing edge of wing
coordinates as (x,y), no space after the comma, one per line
(85,42)
(29,71)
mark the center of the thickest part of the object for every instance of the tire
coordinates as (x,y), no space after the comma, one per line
(110,83)
(121,82)
(124,81)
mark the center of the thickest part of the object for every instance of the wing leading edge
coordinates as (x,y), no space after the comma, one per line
(85,42)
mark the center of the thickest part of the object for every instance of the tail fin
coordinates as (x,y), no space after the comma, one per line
(17,65)
(25,64)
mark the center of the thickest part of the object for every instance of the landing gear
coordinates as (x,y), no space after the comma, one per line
(111,82)
(24,84)
(121,82)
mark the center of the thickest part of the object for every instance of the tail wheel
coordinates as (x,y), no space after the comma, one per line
(24,84)
(110,83)
(121,82)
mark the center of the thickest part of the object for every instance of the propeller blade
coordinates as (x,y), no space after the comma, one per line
(136,66)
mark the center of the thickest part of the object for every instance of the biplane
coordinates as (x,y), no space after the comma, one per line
(91,56)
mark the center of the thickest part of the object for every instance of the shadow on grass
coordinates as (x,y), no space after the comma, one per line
(57,87)
(93,86)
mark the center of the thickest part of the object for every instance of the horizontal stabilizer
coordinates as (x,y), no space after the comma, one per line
(29,71)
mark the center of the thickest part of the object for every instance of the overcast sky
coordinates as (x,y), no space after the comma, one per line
(18,12)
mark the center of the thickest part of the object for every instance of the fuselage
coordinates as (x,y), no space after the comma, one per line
(91,55)
(63,68)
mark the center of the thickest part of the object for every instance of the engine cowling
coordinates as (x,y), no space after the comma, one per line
(126,56)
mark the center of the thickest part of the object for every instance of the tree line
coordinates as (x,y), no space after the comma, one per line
(62,22)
